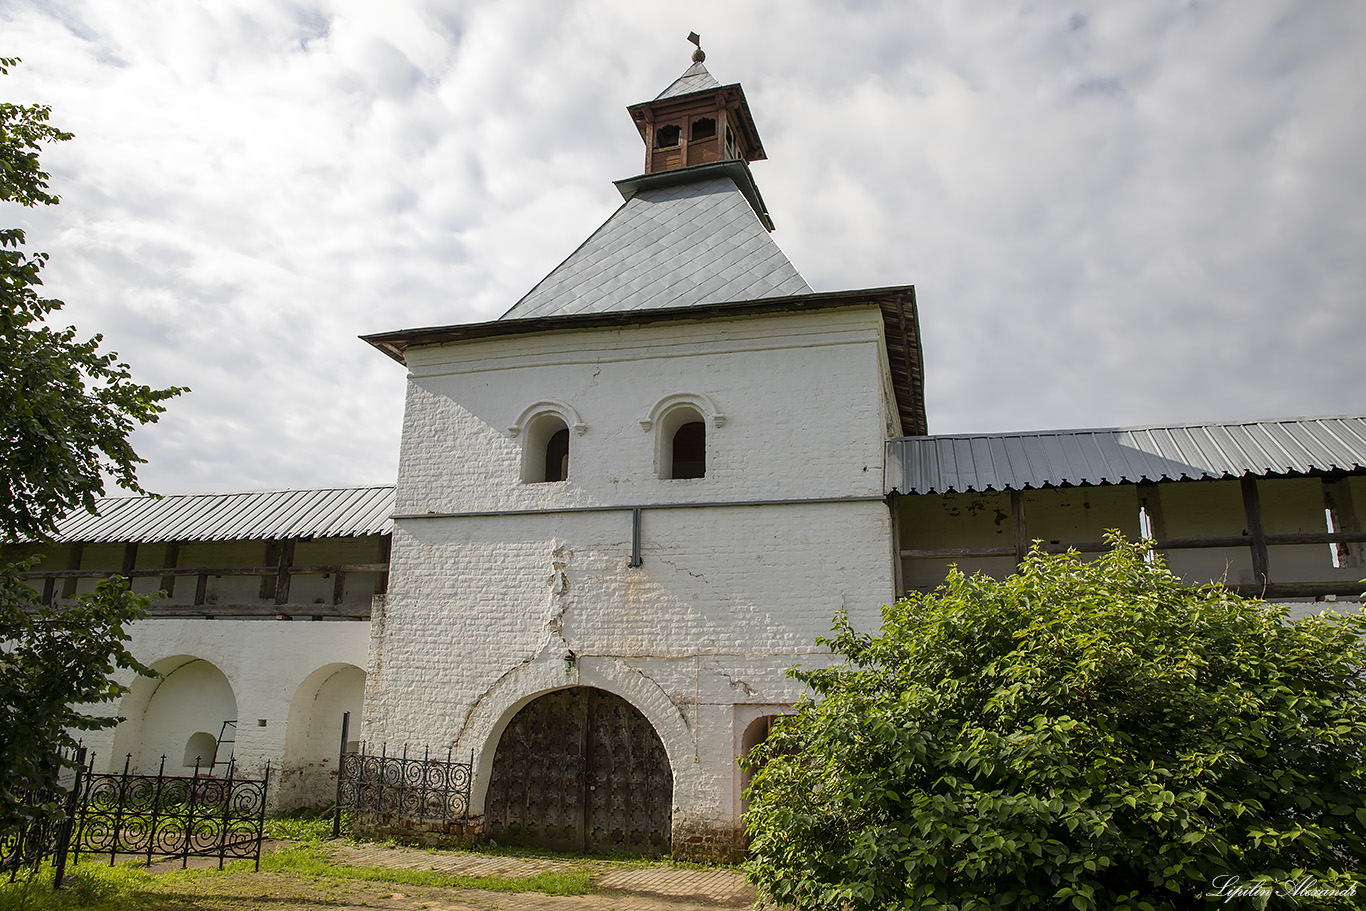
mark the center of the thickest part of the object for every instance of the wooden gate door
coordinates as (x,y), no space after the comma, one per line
(580,769)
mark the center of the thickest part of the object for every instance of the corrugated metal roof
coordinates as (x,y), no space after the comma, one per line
(694,79)
(669,246)
(250,515)
(1016,461)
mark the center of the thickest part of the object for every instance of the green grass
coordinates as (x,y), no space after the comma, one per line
(304,827)
(89,887)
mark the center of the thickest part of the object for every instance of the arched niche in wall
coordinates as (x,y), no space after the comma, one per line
(544,429)
(200,750)
(680,424)
(313,734)
(163,714)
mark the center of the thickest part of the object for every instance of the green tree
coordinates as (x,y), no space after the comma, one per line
(1080,735)
(66,411)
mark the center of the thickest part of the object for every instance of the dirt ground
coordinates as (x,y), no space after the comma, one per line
(281,892)
(618,886)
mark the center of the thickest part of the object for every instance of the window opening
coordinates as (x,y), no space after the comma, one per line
(545,456)
(704,128)
(1145,530)
(668,136)
(557,456)
(690,451)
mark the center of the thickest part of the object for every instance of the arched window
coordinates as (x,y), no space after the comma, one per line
(681,425)
(557,456)
(703,128)
(546,453)
(544,430)
(666,137)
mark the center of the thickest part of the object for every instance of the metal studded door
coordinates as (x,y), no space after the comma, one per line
(581,769)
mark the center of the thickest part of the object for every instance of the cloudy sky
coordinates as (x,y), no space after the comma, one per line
(1113,214)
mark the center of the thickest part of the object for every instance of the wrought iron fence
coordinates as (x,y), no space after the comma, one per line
(172,816)
(403,786)
(46,835)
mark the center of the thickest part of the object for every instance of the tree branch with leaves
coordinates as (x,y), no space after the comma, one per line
(67,409)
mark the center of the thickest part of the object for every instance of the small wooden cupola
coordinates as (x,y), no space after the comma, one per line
(696,120)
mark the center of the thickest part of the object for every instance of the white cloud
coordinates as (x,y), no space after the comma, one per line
(1112,214)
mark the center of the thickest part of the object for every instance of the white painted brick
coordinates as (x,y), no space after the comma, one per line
(481,610)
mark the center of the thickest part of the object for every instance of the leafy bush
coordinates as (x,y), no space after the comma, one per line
(1082,734)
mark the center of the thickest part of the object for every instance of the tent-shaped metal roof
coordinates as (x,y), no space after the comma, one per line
(694,79)
(671,244)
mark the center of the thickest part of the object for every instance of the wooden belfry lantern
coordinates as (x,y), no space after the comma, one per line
(696,120)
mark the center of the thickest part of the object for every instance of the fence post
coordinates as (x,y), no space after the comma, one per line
(261,816)
(469,788)
(446,791)
(156,808)
(64,830)
(426,767)
(118,814)
(379,784)
(402,774)
(85,804)
(189,817)
(341,773)
(227,818)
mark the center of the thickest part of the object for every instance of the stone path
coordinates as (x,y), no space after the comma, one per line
(717,887)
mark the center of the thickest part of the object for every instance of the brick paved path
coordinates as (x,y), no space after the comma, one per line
(649,887)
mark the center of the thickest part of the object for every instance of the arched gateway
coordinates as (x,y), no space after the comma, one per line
(581,769)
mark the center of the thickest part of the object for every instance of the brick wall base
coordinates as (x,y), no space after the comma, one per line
(708,845)
(429,833)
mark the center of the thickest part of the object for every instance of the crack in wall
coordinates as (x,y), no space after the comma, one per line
(682,569)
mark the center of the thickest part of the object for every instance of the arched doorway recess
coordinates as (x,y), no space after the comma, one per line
(581,769)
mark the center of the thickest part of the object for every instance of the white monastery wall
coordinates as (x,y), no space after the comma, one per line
(247,670)
(482,609)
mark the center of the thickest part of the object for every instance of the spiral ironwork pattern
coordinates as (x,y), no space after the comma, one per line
(405,786)
(171,816)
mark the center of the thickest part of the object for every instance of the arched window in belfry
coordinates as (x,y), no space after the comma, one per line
(668,136)
(703,128)
(680,423)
